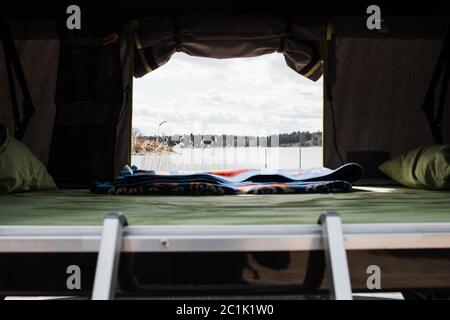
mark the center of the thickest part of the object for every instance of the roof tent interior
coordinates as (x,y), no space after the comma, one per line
(375,81)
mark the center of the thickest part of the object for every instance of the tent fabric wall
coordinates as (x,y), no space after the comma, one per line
(38,48)
(222,37)
(377,83)
(66,132)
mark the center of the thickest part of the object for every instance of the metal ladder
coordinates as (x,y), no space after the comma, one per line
(108,257)
(335,256)
(332,238)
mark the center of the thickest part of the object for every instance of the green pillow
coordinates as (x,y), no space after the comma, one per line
(20,170)
(421,168)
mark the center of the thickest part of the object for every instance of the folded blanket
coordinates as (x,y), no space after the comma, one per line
(241,181)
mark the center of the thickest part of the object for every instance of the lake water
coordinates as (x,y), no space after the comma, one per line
(232,158)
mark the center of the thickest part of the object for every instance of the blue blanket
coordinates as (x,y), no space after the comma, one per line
(240,181)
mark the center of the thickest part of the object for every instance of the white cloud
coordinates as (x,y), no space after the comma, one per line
(234,96)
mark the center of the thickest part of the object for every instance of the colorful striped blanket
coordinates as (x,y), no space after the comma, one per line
(133,181)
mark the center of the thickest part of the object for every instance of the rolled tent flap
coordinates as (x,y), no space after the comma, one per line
(219,36)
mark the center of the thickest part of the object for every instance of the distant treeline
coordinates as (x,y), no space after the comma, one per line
(293,139)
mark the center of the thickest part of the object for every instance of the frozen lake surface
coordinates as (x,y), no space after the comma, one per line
(232,158)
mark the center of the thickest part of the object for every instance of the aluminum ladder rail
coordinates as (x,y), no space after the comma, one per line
(335,256)
(108,257)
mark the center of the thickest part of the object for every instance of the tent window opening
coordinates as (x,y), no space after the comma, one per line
(198,113)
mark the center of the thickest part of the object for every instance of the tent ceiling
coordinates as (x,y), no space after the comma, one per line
(139,9)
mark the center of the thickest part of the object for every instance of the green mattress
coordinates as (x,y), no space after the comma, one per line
(365,205)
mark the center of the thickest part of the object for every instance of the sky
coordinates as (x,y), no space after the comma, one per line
(242,96)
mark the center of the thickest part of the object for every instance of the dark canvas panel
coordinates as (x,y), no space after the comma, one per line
(89,90)
(92,133)
(378,86)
